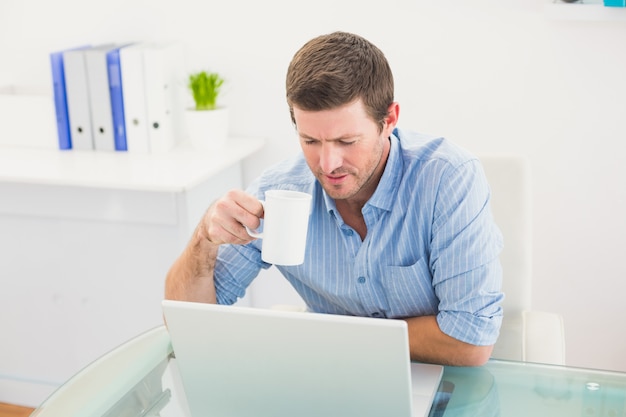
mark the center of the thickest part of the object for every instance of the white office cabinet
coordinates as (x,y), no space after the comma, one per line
(86,239)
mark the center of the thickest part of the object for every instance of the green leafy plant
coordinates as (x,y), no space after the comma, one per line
(205,88)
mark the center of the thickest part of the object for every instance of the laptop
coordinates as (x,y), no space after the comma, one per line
(250,362)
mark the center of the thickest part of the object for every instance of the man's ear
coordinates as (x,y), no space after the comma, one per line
(393,113)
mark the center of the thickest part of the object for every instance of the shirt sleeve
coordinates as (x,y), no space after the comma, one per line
(235,269)
(464,261)
(237,265)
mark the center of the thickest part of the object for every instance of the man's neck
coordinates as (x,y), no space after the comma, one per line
(351,214)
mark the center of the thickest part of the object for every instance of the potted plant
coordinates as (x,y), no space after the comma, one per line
(207,123)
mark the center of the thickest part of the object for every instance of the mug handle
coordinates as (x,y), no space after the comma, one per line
(252,233)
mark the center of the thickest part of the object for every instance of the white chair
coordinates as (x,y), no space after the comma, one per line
(526,335)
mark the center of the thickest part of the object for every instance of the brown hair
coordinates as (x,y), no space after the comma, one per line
(336,69)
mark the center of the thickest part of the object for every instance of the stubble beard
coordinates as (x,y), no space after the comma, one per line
(342,192)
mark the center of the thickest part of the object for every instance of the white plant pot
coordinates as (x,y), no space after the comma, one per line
(207,129)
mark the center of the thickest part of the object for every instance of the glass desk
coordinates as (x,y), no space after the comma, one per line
(140,378)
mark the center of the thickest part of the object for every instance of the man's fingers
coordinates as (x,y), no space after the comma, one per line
(227,218)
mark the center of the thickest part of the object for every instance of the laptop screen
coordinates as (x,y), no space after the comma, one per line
(239,361)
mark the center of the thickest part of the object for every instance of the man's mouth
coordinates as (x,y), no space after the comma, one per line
(335,179)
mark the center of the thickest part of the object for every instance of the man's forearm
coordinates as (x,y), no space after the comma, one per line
(191,276)
(429,344)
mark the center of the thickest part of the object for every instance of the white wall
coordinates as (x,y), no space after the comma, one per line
(493,75)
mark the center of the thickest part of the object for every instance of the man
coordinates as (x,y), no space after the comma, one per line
(400,225)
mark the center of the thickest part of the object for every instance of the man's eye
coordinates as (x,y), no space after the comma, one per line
(346,143)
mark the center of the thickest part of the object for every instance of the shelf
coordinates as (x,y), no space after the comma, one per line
(589,10)
(175,171)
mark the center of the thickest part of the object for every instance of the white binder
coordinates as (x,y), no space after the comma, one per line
(78,101)
(165,83)
(136,117)
(154,84)
(100,97)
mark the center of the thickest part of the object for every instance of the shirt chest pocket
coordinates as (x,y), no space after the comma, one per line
(409,290)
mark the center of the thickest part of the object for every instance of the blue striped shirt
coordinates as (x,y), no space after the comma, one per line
(431,247)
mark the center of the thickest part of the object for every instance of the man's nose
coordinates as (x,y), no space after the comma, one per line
(331,158)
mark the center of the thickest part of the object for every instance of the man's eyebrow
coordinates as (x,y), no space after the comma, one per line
(340,138)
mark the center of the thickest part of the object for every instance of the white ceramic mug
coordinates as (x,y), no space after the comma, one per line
(285,226)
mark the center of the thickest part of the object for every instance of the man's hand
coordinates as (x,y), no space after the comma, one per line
(225,220)
(191,276)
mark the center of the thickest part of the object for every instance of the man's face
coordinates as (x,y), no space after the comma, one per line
(344,149)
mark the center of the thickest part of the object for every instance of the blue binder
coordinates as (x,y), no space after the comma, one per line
(60,99)
(117,99)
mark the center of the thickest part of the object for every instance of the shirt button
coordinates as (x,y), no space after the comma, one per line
(361,280)
(348,232)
